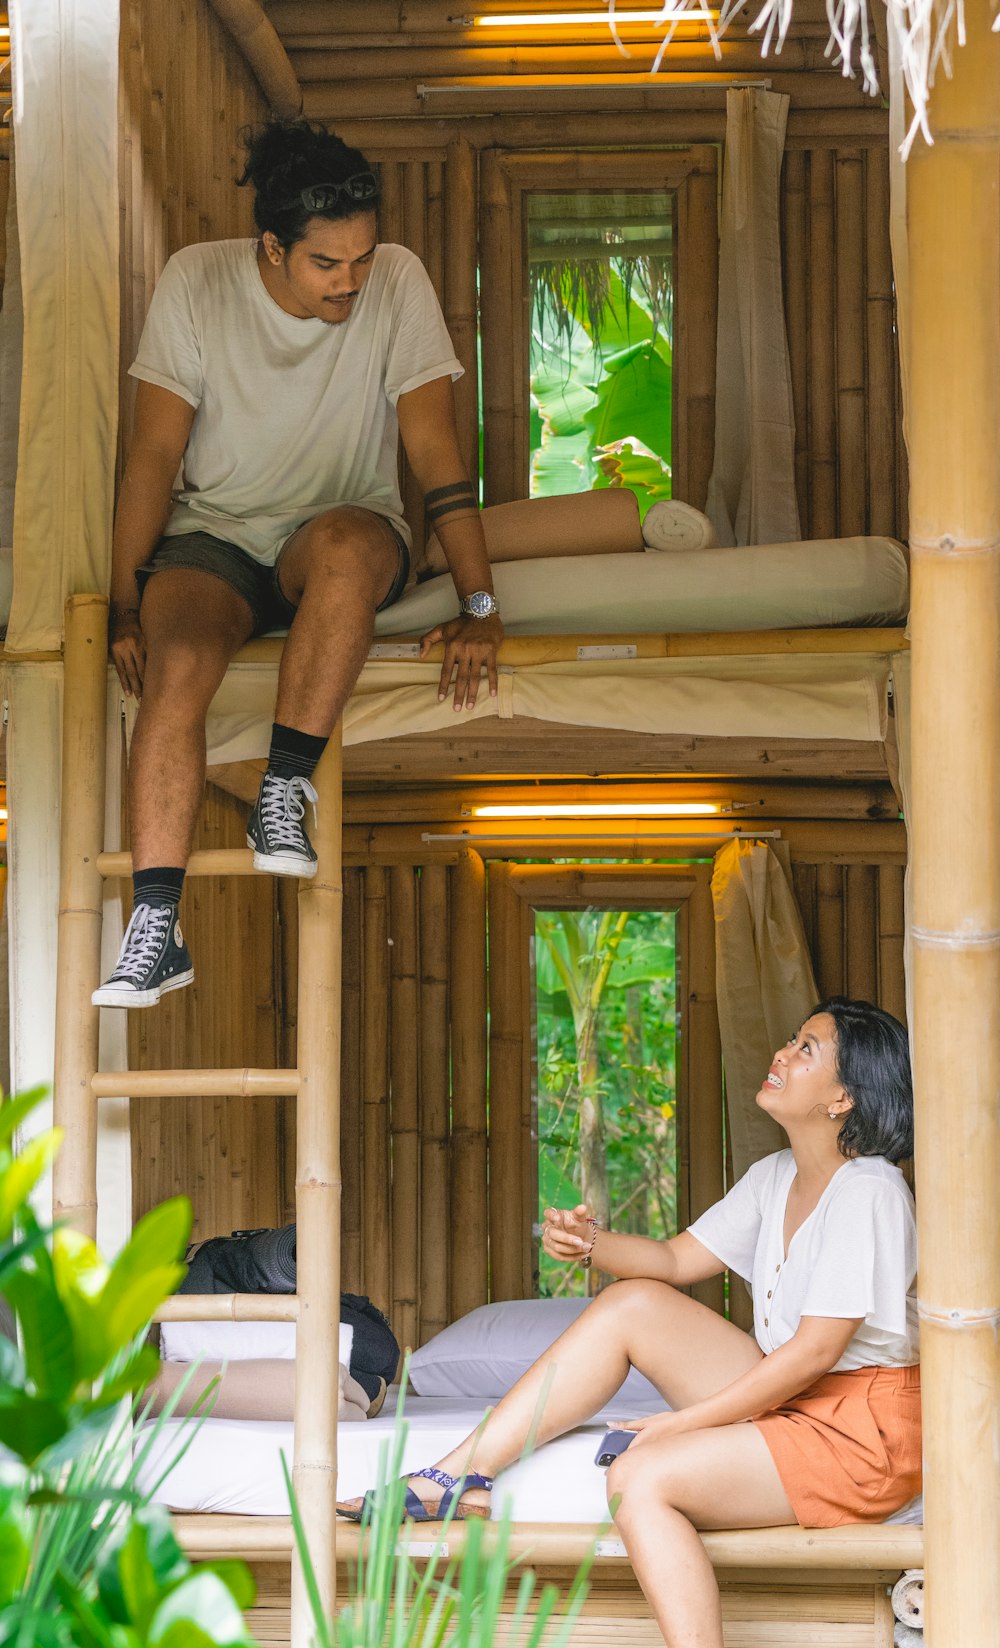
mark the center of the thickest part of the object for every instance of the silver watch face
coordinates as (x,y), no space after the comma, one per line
(479,605)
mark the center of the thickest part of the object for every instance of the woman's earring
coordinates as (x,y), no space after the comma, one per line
(832,1115)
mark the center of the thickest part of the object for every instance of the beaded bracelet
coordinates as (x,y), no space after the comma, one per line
(588,1257)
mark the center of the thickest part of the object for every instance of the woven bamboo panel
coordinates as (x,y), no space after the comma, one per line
(185,94)
(761,1615)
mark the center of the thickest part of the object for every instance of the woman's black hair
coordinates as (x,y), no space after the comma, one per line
(873,1068)
(287,156)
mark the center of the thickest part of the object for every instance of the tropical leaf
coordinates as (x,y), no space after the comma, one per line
(633,401)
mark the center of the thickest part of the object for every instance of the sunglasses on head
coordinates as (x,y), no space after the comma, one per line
(319,197)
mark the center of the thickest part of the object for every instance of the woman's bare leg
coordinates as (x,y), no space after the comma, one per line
(685,1349)
(722,1478)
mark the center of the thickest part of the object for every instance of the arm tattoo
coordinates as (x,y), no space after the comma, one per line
(445,500)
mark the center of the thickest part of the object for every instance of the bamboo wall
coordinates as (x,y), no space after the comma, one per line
(419,1156)
(185,94)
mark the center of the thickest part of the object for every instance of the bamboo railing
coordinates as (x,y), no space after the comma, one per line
(315,1307)
(954,424)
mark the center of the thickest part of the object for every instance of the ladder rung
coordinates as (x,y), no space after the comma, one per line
(229,1307)
(194,1084)
(212,861)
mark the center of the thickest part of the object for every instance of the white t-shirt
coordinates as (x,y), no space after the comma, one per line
(855,1255)
(292,417)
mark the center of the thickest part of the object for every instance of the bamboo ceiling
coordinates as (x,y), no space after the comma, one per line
(383,59)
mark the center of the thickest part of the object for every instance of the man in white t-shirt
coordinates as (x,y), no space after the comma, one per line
(275,378)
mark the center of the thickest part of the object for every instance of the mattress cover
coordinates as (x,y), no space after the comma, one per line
(235,1465)
(812,585)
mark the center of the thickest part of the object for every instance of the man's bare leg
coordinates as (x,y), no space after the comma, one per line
(685,1349)
(336,570)
(193,624)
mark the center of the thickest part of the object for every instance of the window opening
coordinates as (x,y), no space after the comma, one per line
(601,286)
(606,1034)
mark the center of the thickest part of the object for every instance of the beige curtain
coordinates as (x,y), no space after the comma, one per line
(65,80)
(764,983)
(32,693)
(751,495)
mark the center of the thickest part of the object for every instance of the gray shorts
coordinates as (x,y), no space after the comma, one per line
(256,583)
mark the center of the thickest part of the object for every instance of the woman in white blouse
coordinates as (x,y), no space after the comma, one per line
(814,1419)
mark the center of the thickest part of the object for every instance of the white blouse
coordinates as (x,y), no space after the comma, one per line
(855,1255)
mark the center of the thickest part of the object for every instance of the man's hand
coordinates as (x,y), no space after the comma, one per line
(128,649)
(566,1233)
(470,646)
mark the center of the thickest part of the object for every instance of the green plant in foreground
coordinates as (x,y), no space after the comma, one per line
(84,1562)
(452,1600)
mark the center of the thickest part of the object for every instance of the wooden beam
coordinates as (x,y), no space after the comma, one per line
(469,1263)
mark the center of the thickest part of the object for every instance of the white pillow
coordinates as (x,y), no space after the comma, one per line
(238,1342)
(485,1353)
(672,525)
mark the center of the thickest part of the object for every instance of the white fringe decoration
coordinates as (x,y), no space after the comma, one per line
(925,30)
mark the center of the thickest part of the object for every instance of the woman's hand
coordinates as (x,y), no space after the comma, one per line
(128,648)
(655,1428)
(567,1233)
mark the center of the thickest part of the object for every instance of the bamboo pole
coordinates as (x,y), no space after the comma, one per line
(351,1108)
(461,299)
(229,1307)
(830,928)
(317,1200)
(808,128)
(697,321)
(851,328)
(376,1230)
(822,335)
(499,322)
(287,969)
(390,212)
(796,287)
(508,1217)
(881,363)
(257,39)
(861,931)
(552,649)
(434,225)
(406,64)
(81,908)
(201,1084)
(434,1100)
(404,1053)
(953,227)
(855,1549)
(707,1174)
(468,1261)
(891,930)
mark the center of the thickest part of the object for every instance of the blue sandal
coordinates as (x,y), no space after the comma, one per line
(415,1509)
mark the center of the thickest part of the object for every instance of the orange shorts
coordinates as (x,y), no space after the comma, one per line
(848,1449)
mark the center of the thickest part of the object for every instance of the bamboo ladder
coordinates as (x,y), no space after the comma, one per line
(315,1084)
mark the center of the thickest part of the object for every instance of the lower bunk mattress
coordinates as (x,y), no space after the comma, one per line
(234,1465)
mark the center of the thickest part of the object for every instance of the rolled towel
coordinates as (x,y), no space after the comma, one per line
(908,1598)
(674,525)
(904,1636)
(602,522)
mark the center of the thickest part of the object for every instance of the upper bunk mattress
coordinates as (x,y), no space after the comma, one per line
(861,582)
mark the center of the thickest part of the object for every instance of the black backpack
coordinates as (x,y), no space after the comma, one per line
(263,1261)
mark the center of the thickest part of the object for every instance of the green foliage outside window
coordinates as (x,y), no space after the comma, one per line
(606,1049)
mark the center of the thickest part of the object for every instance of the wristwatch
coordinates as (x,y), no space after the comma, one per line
(480,604)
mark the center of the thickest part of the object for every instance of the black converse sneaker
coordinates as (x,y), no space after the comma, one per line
(275,830)
(153,959)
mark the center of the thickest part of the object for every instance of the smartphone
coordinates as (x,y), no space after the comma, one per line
(615,1442)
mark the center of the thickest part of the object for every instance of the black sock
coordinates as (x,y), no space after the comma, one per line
(293,754)
(160,886)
